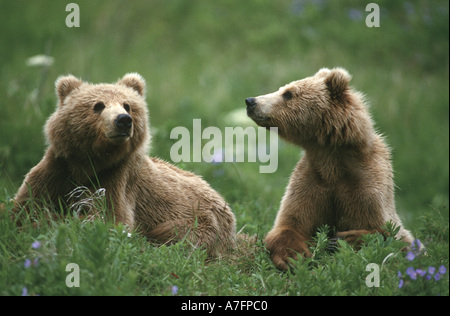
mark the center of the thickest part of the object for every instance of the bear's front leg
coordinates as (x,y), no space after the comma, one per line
(354,236)
(284,243)
(43,187)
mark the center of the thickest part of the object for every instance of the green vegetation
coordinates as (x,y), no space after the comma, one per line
(113,262)
(201,59)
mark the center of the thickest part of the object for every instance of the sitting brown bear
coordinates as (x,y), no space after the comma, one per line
(98,137)
(345,177)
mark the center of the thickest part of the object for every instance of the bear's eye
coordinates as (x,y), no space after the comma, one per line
(126,106)
(287,95)
(98,107)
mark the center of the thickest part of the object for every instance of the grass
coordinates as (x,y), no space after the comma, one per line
(202,59)
(113,262)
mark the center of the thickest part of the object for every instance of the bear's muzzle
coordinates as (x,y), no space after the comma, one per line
(123,123)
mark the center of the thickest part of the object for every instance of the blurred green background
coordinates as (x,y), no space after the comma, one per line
(201,59)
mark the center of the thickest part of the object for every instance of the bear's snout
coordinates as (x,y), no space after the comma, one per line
(123,122)
(251,103)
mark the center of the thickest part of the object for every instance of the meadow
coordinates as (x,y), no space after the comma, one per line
(201,59)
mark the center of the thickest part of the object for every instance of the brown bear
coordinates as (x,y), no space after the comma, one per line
(344,178)
(98,137)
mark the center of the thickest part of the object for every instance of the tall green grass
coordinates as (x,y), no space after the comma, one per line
(201,59)
(112,261)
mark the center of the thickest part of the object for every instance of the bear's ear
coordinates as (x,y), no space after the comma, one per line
(65,85)
(323,72)
(337,81)
(134,81)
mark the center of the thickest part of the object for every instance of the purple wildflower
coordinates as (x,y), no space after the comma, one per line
(36,245)
(410,256)
(421,272)
(24,291)
(355,14)
(27,263)
(428,273)
(174,290)
(416,245)
(412,273)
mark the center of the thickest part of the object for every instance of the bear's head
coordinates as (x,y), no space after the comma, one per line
(99,124)
(319,110)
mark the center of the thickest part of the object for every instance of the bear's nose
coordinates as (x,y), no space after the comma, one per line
(123,122)
(251,103)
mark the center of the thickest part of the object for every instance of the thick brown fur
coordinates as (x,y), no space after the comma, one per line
(344,178)
(87,147)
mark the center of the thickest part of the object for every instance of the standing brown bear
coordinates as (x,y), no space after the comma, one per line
(345,177)
(98,137)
